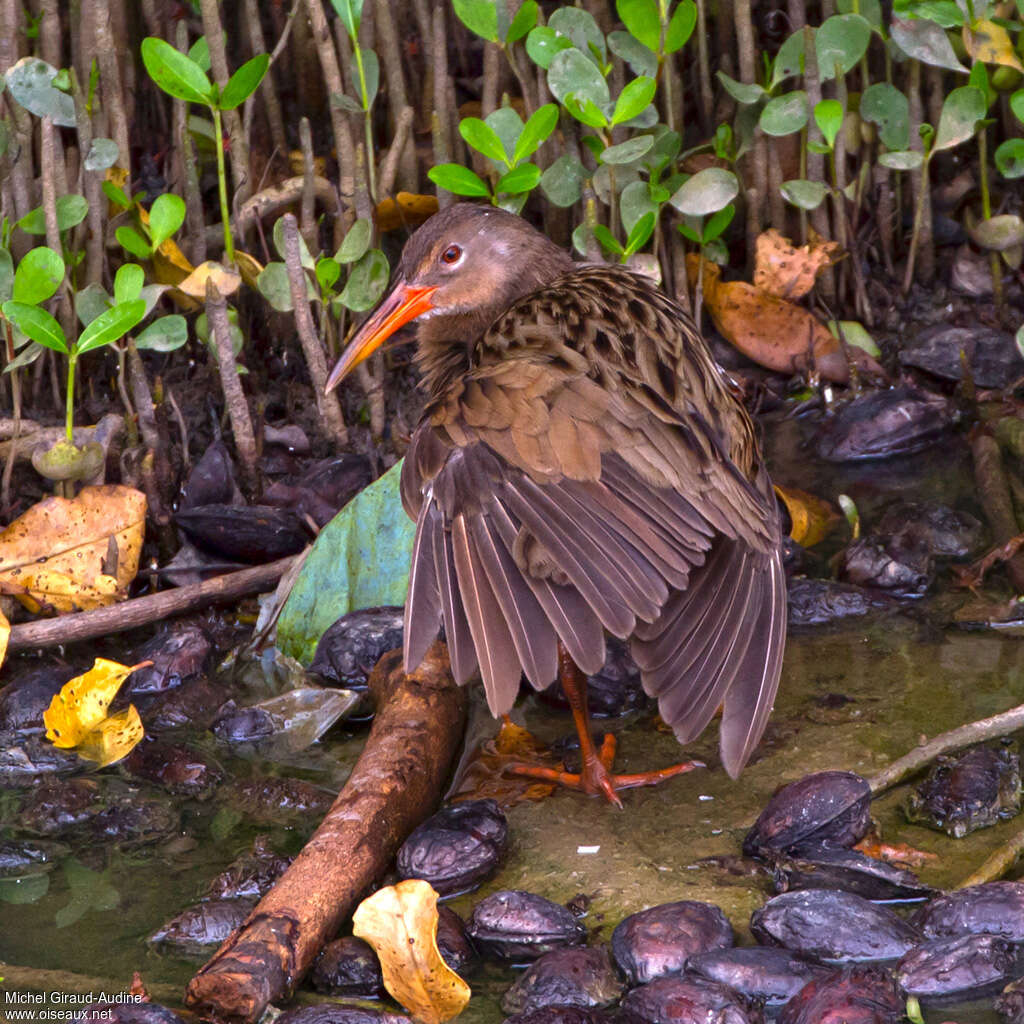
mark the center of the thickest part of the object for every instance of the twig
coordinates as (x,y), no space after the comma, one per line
(994,492)
(308,187)
(390,163)
(963,736)
(394,785)
(997,863)
(142,611)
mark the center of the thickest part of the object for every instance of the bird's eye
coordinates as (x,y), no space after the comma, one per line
(452,254)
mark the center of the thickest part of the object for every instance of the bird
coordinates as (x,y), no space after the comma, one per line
(581,468)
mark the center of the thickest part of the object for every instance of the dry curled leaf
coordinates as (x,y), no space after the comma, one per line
(773,332)
(194,285)
(75,554)
(407,209)
(5,636)
(400,922)
(810,517)
(77,716)
(787,270)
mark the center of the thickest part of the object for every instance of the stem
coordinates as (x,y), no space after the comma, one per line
(69,404)
(922,195)
(371,173)
(222,187)
(986,212)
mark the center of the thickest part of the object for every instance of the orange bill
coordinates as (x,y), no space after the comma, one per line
(405,303)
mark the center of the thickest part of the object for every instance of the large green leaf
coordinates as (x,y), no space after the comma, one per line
(360,560)
(108,327)
(479,16)
(31,84)
(38,276)
(244,82)
(572,72)
(884,105)
(36,323)
(175,73)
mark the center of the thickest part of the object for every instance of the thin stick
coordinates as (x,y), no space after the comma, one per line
(997,864)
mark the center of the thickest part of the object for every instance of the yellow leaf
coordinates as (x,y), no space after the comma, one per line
(82,702)
(400,922)
(113,738)
(248,266)
(810,517)
(991,44)
(195,284)
(5,636)
(75,553)
(407,209)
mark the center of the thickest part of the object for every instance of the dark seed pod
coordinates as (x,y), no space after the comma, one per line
(1010,1004)
(582,976)
(520,926)
(348,967)
(127,1013)
(761,973)
(994,908)
(962,794)
(659,941)
(250,874)
(856,995)
(353,644)
(827,807)
(687,1000)
(337,1013)
(206,924)
(967,967)
(452,941)
(457,848)
(563,1015)
(254,533)
(829,867)
(832,925)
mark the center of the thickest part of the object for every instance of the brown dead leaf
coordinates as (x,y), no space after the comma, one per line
(194,286)
(787,270)
(59,550)
(407,209)
(894,853)
(811,518)
(400,922)
(773,332)
(297,164)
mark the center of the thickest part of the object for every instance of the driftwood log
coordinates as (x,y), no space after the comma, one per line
(394,785)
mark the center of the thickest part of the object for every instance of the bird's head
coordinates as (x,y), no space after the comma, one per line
(459,271)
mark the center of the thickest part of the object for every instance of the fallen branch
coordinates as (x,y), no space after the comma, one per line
(394,785)
(963,736)
(998,863)
(141,611)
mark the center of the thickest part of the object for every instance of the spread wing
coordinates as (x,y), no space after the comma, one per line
(561,491)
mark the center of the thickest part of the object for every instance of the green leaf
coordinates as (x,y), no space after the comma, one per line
(636,202)
(128,282)
(199,53)
(525,19)
(366,282)
(371,74)
(306,260)
(925,41)
(717,223)
(483,138)
(244,82)
(37,324)
(870,10)
(1017,104)
(351,14)
(38,276)
(30,82)
(273,284)
(175,73)
(841,40)
(962,110)
(103,153)
(854,333)
(543,43)
(884,105)
(356,242)
(741,92)
(979,78)
(131,240)
(71,210)
(90,301)
(608,240)
(586,112)
(902,160)
(1009,157)
(116,195)
(633,99)
(360,560)
(573,73)
(642,21)
(642,231)
(628,151)
(108,327)
(523,178)
(327,273)
(641,61)
(6,275)
(166,215)
(805,195)
(458,179)
(946,13)
(579,27)
(164,334)
(561,182)
(479,16)
(535,132)
(706,191)
(789,61)
(828,115)
(680,26)
(784,115)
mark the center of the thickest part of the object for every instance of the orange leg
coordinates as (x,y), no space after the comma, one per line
(595,776)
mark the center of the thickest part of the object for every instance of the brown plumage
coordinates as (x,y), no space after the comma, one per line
(580,467)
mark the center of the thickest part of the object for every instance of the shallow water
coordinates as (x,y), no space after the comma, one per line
(903,678)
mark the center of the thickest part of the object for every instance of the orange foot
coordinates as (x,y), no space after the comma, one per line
(597,776)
